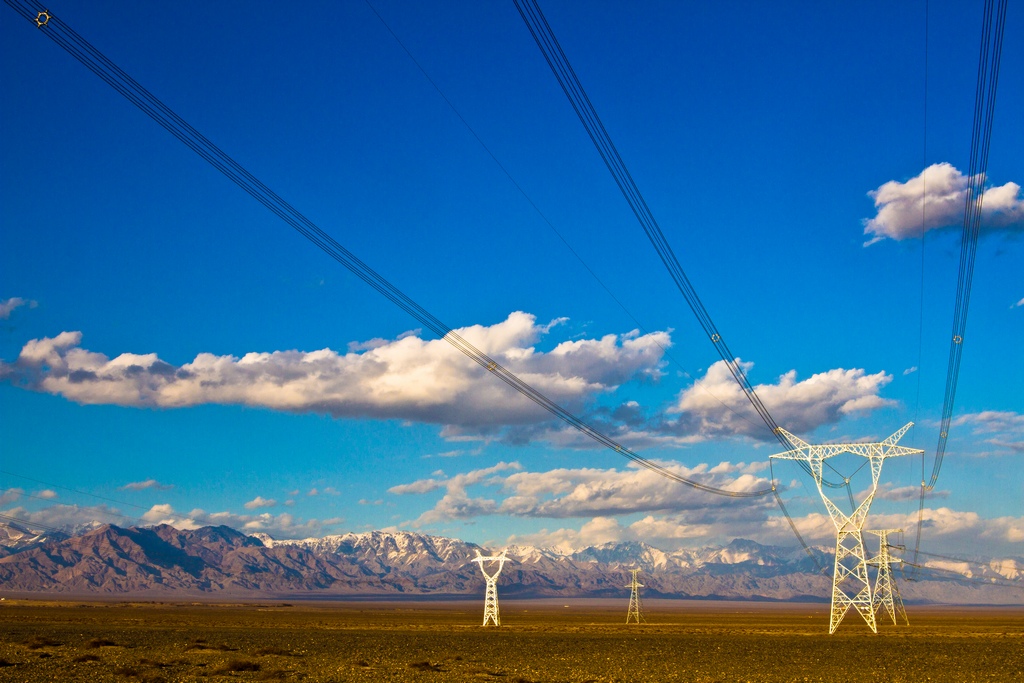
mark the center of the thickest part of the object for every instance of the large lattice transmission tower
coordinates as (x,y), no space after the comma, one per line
(851,586)
(491,612)
(887,594)
(636,608)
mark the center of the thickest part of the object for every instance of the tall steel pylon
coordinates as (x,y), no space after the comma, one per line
(491,596)
(636,610)
(851,586)
(887,594)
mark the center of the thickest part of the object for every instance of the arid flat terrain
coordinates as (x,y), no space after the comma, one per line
(540,640)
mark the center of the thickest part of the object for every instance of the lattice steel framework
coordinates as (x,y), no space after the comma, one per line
(887,594)
(491,596)
(851,586)
(636,608)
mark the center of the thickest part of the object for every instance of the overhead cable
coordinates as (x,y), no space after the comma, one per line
(989,58)
(89,56)
(549,46)
(544,218)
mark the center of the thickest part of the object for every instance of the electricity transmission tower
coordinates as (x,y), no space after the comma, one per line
(887,594)
(636,609)
(850,584)
(491,596)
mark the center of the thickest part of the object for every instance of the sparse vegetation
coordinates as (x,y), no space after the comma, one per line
(400,643)
(274,650)
(100,642)
(237,665)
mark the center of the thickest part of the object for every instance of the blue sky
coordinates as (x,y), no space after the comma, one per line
(763,139)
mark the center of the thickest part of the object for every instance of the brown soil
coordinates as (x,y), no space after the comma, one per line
(538,641)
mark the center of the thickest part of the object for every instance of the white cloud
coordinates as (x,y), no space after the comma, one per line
(717,407)
(936,199)
(11,495)
(71,518)
(408,378)
(279,526)
(7,306)
(888,491)
(590,492)
(1018,304)
(260,502)
(46,494)
(147,484)
(1004,429)
(909,371)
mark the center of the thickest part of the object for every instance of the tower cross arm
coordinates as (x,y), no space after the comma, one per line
(894,451)
(795,454)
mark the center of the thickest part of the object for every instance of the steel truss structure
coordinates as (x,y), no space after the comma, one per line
(491,596)
(636,610)
(851,586)
(887,594)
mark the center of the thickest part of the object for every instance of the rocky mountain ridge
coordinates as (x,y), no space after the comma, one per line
(166,561)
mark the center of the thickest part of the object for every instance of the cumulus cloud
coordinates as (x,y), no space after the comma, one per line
(260,502)
(944,530)
(279,526)
(407,378)
(46,494)
(11,495)
(1018,304)
(7,306)
(717,407)
(70,518)
(936,199)
(888,491)
(590,492)
(147,484)
(1004,429)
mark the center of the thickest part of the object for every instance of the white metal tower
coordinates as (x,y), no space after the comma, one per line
(850,584)
(491,596)
(887,594)
(636,610)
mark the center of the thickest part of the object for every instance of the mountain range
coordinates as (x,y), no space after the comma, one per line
(165,561)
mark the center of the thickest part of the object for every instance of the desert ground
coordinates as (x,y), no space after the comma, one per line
(540,640)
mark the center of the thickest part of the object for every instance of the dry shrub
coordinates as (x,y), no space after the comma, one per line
(274,675)
(152,662)
(36,642)
(100,642)
(280,651)
(237,665)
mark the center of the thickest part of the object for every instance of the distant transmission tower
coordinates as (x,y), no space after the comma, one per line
(491,597)
(851,586)
(887,594)
(636,609)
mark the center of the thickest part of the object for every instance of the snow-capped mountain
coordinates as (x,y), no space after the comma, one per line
(163,560)
(15,538)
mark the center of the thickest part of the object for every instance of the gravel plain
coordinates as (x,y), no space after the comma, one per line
(539,641)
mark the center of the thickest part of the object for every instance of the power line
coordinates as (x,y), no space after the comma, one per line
(993,24)
(552,51)
(544,217)
(98,63)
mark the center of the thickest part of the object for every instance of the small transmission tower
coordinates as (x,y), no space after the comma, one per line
(636,609)
(850,584)
(491,596)
(887,594)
